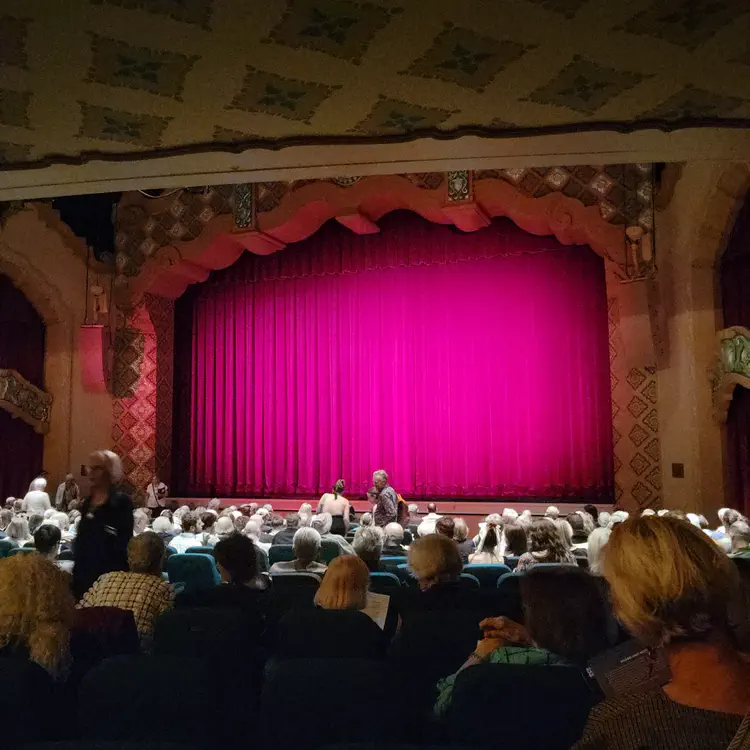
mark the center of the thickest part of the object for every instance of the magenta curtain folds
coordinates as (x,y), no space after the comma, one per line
(466,365)
(22,343)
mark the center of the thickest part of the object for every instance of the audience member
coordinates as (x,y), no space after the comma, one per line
(393,540)
(589,524)
(446,526)
(593,511)
(36,612)
(141,590)
(465,545)
(564,531)
(565,623)
(47,543)
(344,585)
(597,541)
(579,537)
(140,521)
(495,518)
(603,519)
(18,531)
(322,523)
(337,505)
(545,546)
(276,525)
(306,546)
(6,516)
(35,521)
(207,536)
(366,520)
(67,492)
(727,517)
(224,527)
(188,537)
(106,524)
(524,520)
(428,522)
(386,505)
(286,535)
(739,535)
(162,527)
(36,499)
(516,540)
(683,609)
(414,517)
(368,545)
(552,512)
(490,548)
(240,521)
(509,515)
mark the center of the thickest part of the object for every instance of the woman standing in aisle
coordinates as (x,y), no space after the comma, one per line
(338,506)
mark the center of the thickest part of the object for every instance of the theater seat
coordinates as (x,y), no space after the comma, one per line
(292,720)
(6,545)
(548,706)
(280,553)
(20,551)
(329,550)
(199,551)
(27,693)
(488,575)
(469,581)
(115,745)
(195,571)
(384,583)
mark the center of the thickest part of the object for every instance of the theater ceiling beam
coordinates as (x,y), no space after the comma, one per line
(358,223)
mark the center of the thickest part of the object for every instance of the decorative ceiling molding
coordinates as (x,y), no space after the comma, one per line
(271,215)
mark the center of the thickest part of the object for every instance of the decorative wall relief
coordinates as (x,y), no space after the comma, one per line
(731,367)
(23,400)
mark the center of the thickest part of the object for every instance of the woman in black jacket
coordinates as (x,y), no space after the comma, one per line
(106,524)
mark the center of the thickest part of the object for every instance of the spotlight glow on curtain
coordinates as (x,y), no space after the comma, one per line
(466,365)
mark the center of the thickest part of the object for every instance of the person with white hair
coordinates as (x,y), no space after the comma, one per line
(552,512)
(6,516)
(140,521)
(162,527)
(214,505)
(495,518)
(36,499)
(67,493)
(17,532)
(177,517)
(524,520)
(106,524)
(603,519)
(386,505)
(393,542)
(366,519)
(322,523)
(428,522)
(648,512)
(597,541)
(368,546)
(619,516)
(306,546)
(510,515)
(224,527)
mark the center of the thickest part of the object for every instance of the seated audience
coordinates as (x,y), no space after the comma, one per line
(509,515)
(6,516)
(565,532)
(683,609)
(593,511)
(306,545)
(603,519)
(491,518)
(446,526)
(35,521)
(545,546)
(489,550)
(286,535)
(344,585)
(207,536)
(589,524)
(240,521)
(739,535)
(47,543)
(516,540)
(224,527)
(305,512)
(162,527)
(414,517)
(140,521)
(727,517)
(188,537)
(525,520)
(465,545)
(368,546)
(141,589)
(579,539)
(36,611)
(393,540)
(36,499)
(366,520)
(565,623)
(276,525)
(17,531)
(322,523)
(552,512)
(597,541)
(427,526)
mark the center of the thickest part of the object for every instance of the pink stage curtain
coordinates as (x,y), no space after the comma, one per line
(465,365)
(22,342)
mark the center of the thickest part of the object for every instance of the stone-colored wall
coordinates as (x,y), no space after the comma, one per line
(49,268)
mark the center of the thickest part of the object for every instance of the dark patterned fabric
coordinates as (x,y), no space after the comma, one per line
(385,509)
(653,721)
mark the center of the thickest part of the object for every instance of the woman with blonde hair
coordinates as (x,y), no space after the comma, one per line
(344,584)
(672,587)
(36,610)
(106,524)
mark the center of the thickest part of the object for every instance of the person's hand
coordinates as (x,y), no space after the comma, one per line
(486,646)
(505,630)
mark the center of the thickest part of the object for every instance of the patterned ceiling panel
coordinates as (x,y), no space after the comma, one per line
(127,78)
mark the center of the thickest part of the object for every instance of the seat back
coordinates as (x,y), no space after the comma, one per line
(99,633)
(511,561)
(384,583)
(562,691)
(280,553)
(487,575)
(391,563)
(262,558)
(287,687)
(146,691)
(328,634)
(6,545)
(469,581)
(196,571)
(20,551)
(199,551)
(329,550)
(27,694)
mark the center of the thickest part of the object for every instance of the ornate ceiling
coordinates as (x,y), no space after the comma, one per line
(86,79)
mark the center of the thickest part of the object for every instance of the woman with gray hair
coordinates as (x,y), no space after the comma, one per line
(17,531)
(106,524)
(368,545)
(306,547)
